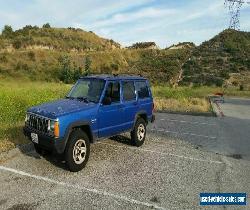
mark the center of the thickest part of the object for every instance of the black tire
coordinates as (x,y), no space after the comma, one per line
(138,140)
(76,162)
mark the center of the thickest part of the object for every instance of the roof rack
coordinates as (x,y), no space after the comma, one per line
(111,75)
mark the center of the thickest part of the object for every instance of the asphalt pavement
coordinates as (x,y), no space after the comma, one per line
(228,134)
(182,157)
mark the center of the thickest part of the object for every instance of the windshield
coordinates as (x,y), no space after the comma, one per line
(88,90)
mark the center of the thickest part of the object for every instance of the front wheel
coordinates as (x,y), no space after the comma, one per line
(138,134)
(77,151)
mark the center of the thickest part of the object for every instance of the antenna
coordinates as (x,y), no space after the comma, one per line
(234,7)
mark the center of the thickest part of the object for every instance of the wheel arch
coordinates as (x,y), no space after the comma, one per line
(84,126)
(141,114)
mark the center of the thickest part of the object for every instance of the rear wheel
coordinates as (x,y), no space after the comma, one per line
(77,151)
(138,134)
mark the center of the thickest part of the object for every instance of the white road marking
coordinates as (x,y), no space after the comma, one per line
(191,134)
(92,190)
(162,153)
(189,122)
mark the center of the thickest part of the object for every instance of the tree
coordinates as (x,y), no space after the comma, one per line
(65,73)
(77,73)
(7,31)
(17,43)
(87,65)
(46,25)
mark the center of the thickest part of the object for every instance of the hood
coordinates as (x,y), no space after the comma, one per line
(61,107)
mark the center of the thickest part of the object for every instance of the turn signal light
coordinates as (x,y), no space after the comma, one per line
(56,129)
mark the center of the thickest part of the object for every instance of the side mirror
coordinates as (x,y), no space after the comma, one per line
(106,100)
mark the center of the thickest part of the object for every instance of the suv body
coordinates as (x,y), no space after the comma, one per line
(97,107)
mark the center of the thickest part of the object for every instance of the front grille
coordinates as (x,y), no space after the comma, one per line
(38,123)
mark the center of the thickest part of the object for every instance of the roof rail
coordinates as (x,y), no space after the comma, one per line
(111,75)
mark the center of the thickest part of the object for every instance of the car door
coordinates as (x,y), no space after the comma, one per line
(130,104)
(110,115)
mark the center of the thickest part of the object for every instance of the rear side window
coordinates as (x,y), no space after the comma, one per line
(142,89)
(128,91)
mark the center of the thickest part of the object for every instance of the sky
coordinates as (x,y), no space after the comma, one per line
(165,22)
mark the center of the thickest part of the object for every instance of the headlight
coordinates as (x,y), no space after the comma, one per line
(51,124)
(27,117)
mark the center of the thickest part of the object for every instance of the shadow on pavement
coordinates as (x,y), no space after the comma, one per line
(121,139)
(54,159)
(58,160)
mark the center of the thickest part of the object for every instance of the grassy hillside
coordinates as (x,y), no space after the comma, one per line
(160,66)
(70,39)
(44,53)
(53,54)
(214,60)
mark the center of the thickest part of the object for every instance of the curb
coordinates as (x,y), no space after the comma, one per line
(205,114)
(210,99)
(216,108)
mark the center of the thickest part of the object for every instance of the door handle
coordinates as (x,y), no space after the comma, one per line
(121,107)
(135,103)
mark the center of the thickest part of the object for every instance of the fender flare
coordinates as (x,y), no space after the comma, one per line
(137,116)
(71,127)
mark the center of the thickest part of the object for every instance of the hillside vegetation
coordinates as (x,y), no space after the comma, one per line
(70,39)
(215,60)
(53,54)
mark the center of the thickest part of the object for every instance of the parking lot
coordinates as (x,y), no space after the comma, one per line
(182,157)
(228,134)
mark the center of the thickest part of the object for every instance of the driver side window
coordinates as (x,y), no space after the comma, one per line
(113,92)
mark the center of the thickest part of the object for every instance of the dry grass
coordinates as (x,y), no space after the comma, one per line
(12,135)
(6,145)
(183,105)
(183,99)
(190,99)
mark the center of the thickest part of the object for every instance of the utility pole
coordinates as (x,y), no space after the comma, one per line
(234,7)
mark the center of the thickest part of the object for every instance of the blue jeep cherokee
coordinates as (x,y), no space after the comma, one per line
(96,107)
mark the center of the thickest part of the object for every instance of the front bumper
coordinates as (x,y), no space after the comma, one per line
(47,142)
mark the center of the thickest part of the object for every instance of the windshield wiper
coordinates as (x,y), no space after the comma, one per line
(83,99)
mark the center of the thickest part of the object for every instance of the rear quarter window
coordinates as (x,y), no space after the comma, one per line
(128,91)
(142,89)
